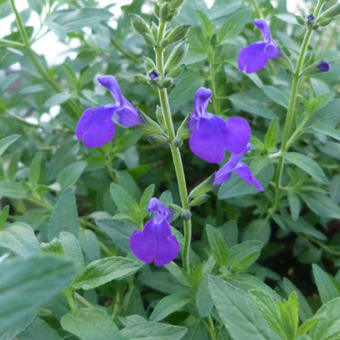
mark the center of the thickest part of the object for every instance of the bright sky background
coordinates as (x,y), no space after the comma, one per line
(54,50)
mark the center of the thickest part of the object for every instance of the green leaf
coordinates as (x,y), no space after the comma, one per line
(184,90)
(326,288)
(91,323)
(206,25)
(6,142)
(64,216)
(308,165)
(305,311)
(289,315)
(269,309)
(20,239)
(328,327)
(321,205)
(99,272)
(244,255)
(153,331)
(238,312)
(277,96)
(144,200)
(272,135)
(57,99)
(252,105)
(28,284)
(258,230)
(12,190)
(39,330)
(3,216)
(15,328)
(125,203)
(70,175)
(294,205)
(71,249)
(217,245)
(233,26)
(327,130)
(204,303)
(34,173)
(118,231)
(169,305)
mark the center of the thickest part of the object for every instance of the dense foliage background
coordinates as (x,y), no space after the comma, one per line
(257,271)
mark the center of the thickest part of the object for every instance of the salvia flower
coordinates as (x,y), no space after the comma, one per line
(254,57)
(324,66)
(96,126)
(235,164)
(310,18)
(155,243)
(153,75)
(211,135)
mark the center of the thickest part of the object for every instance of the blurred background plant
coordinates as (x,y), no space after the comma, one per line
(59,198)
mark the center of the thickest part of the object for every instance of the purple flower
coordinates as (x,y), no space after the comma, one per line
(155,243)
(96,127)
(310,18)
(153,75)
(234,164)
(324,66)
(254,57)
(211,135)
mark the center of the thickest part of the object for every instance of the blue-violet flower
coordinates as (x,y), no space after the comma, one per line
(234,164)
(324,66)
(254,57)
(211,135)
(96,126)
(155,243)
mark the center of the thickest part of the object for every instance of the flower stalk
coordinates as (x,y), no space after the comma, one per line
(27,45)
(175,152)
(291,108)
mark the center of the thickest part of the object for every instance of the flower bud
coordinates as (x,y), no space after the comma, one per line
(178,33)
(183,132)
(141,79)
(175,57)
(199,200)
(202,188)
(325,21)
(324,66)
(164,12)
(167,82)
(186,215)
(301,20)
(175,72)
(156,139)
(149,126)
(149,39)
(156,10)
(139,24)
(149,64)
(176,3)
(177,142)
(330,13)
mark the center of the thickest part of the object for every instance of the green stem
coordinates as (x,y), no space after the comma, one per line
(291,109)
(73,107)
(83,301)
(10,43)
(125,53)
(257,9)
(176,155)
(212,75)
(70,300)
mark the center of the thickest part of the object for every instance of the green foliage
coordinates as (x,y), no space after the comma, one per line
(260,267)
